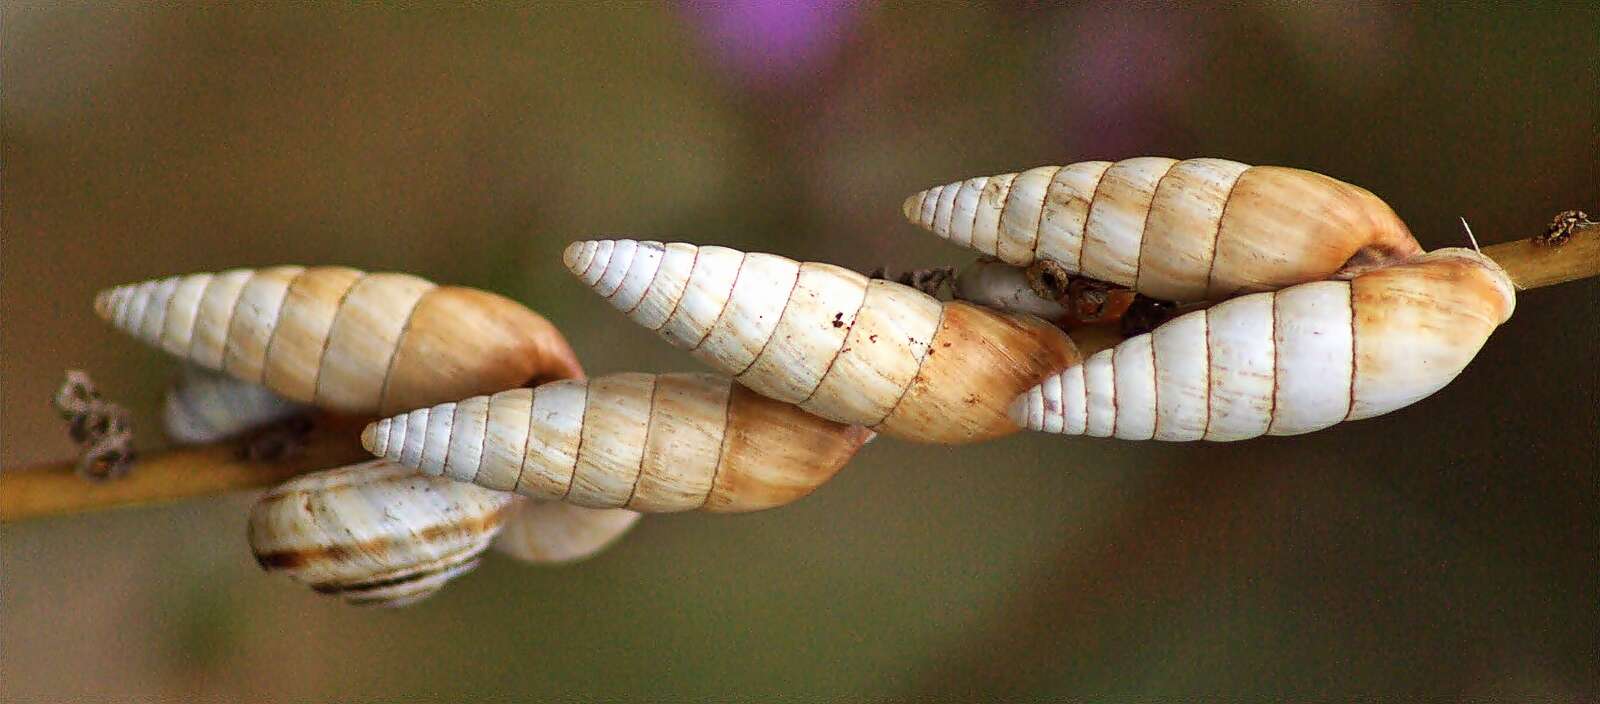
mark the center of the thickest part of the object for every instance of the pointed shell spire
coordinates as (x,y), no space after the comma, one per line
(861,351)
(1191,230)
(1286,362)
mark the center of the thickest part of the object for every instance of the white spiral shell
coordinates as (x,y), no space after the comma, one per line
(851,349)
(203,406)
(552,532)
(647,442)
(1286,362)
(375,533)
(339,338)
(1192,230)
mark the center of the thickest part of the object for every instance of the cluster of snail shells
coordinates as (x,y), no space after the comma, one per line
(357,343)
(1352,319)
(859,351)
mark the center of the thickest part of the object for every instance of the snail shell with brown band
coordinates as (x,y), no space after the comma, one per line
(1285,362)
(375,533)
(855,350)
(343,339)
(646,442)
(1191,230)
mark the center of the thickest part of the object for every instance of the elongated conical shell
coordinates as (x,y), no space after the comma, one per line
(1193,230)
(860,351)
(204,406)
(556,532)
(342,339)
(1285,362)
(375,533)
(647,442)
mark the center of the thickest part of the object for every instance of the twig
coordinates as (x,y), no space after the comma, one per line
(1570,251)
(53,489)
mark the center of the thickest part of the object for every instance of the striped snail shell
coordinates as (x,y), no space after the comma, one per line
(557,532)
(647,442)
(1286,362)
(861,351)
(204,406)
(375,533)
(339,338)
(1192,230)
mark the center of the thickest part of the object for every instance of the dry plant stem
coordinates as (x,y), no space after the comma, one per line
(1532,265)
(170,475)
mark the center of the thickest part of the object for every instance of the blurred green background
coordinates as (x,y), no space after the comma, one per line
(1447,550)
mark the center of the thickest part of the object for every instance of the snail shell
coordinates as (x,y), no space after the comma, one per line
(647,442)
(860,351)
(1285,362)
(203,406)
(375,533)
(1192,230)
(996,284)
(339,338)
(555,532)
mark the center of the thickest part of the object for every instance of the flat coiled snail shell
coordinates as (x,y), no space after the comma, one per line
(1286,362)
(860,351)
(1192,230)
(375,533)
(647,442)
(339,338)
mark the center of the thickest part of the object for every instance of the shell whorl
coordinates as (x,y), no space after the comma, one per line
(646,442)
(375,533)
(549,532)
(1285,362)
(829,340)
(205,406)
(339,338)
(1191,230)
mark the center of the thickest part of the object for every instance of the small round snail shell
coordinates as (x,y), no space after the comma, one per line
(1192,230)
(647,442)
(1286,362)
(996,284)
(342,339)
(375,533)
(556,532)
(861,351)
(204,406)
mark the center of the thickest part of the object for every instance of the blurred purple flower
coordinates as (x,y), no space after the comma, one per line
(1123,72)
(770,43)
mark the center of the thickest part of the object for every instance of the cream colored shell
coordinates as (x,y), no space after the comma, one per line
(375,533)
(999,285)
(1285,362)
(647,442)
(339,338)
(556,532)
(851,349)
(1192,230)
(204,406)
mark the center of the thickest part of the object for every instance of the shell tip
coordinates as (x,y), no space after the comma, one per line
(571,256)
(1018,411)
(912,207)
(103,304)
(369,438)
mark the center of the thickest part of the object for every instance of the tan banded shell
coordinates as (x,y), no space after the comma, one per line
(1191,230)
(342,339)
(1286,362)
(647,442)
(375,533)
(860,351)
